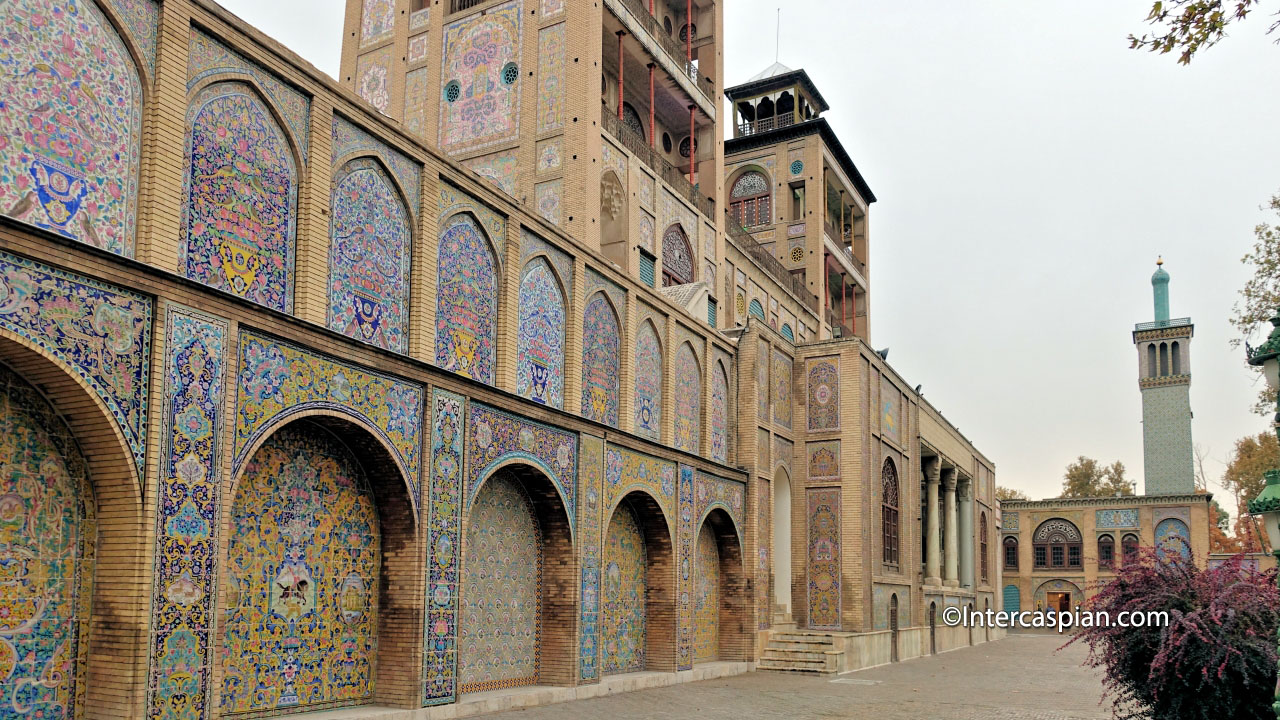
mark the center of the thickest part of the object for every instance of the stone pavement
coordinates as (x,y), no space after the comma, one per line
(1017,678)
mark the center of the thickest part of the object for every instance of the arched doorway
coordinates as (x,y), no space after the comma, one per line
(517,555)
(48,544)
(318,529)
(893,627)
(782,543)
(637,589)
(933,628)
(720,593)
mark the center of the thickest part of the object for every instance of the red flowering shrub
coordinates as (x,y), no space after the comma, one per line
(1216,658)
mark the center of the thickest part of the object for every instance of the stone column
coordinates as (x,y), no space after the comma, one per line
(967,540)
(933,548)
(950,555)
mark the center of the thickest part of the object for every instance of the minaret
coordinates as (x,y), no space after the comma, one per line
(1164,375)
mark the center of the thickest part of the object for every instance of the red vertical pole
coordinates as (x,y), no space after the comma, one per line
(622,71)
(651,7)
(651,122)
(688,31)
(844,303)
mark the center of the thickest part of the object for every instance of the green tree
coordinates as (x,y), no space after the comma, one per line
(1004,493)
(1261,294)
(1087,477)
(1252,456)
(1189,26)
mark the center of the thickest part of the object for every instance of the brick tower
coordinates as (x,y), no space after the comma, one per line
(1164,370)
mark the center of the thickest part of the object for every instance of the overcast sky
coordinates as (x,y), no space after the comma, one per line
(1029,168)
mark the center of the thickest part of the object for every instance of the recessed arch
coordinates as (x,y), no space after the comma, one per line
(750,196)
(601,359)
(755,309)
(1058,544)
(677,256)
(320,529)
(782,574)
(468,299)
(721,621)
(638,591)
(648,381)
(719,412)
(688,399)
(517,611)
(541,334)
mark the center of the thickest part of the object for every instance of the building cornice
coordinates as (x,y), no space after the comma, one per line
(1165,381)
(1113,501)
(818,126)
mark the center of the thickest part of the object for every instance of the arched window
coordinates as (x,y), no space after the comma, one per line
(889,511)
(677,257)
(1058,544)
(1129,548)
(1011,553)
(749,201)
(1106,551)
(632,120)
(756,309)
(788,333)
(1152,369)
(1164,359)
(1176,351)
(982,545)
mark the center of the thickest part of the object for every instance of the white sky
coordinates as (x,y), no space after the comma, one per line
(1030,167)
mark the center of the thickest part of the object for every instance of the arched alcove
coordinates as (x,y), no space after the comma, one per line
(637,597)
(721,627)
(782,542)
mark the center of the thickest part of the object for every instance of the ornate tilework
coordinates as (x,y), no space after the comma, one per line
(674,211)
(501,168)
(373,78)
(781,372)
(782,451)
(626,470)
(1105,519)
(551,89)
(278,380)
(466,301)
(369,257)
(1172,536)
(646,190)
(824,393)
(1009,522)
(824,459)
(623,596)
(348,139)
(547,197)
(711,492)
(209,57)
(70,123)
(647,231)
(440,654)
(591,475)
(239,219)
(540,341)
(762,380)
(688,400)
(420,18)
(416,87)
(188,517)
(549,154)
(677,255)
(453,201)
(685,581)
(301,578)
(614,159)
(48,537)
(764,534)
(498,437)
(377,21)
(596,281)
(100,332)
(648,397)
(762,452)
(706,594)
(551,8)
(600,361)
(719,413)
(531,245)
(502,590)
(475,51)
(824,558)
(142,18)
(418,47)
(890,411)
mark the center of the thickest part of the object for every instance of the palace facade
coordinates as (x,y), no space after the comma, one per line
(490,366)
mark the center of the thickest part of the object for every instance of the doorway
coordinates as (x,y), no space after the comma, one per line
(1058,601)
(782,543)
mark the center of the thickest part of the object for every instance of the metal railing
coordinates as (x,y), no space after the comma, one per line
(1157,324)
(672,47)
(650,156)
(845,241)
(838,328)
(752,127)
(771,265)
(460,5)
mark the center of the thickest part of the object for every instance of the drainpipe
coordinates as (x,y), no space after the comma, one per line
(622,71)
(693,150)
(652,129)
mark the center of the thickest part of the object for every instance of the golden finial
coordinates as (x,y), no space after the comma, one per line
(1159,260)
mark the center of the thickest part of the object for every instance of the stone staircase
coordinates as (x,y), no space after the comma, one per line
(793,650)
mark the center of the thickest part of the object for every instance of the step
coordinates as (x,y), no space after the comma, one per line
(800,637)
(765,664)
(794,655)
(795,645)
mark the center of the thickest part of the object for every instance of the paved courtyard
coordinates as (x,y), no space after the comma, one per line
(1018,678)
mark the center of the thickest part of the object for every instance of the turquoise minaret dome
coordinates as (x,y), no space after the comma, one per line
(1160,289)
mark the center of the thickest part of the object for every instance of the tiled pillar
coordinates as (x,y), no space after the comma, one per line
(965,489)
(950,555)
(932,573)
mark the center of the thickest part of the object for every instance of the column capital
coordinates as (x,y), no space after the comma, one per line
(949,479)
(932,467)
(964,488)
